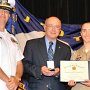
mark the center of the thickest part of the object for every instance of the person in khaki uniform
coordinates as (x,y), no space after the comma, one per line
(82,54)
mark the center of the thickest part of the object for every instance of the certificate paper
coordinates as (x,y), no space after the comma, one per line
(74,70)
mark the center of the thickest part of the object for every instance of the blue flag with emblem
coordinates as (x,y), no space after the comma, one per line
(27,26)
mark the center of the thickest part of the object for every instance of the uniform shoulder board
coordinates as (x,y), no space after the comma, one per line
(13,39)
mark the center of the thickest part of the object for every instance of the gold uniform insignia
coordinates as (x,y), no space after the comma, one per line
(13,40)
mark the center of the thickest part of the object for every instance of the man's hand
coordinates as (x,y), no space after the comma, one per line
(87,83)
(12,83)
(45,71)
(71,83)
(56,72)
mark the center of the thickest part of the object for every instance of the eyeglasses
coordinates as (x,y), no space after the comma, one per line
(57,27)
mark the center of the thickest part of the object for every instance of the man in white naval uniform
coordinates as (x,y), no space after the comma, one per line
(11,67)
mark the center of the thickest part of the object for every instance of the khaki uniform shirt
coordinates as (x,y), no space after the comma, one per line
(81,55)
(78,55)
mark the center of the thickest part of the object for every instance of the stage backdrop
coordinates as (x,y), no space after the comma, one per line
(26,26)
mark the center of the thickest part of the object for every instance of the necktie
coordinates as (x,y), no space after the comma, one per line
(50,51)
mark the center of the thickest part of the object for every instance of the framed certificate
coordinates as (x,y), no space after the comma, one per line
(74,70)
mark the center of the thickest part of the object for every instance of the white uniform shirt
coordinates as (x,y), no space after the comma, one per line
(9,55)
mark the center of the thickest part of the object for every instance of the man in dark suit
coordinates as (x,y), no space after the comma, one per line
(36,66)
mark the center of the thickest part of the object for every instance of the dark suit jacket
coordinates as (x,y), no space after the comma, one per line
(36,56)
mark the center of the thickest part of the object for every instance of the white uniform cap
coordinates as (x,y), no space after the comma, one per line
(7,4)
(12,2)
